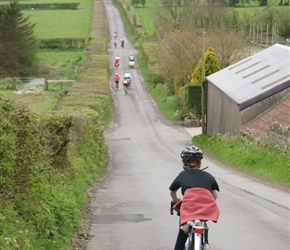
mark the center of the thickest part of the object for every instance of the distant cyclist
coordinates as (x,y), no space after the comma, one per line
(125,84)
(199,190)
(129,82)
(122,42)
(117,79)
(117,61)
(115,34)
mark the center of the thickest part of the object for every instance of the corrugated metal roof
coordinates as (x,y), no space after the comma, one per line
(256,77)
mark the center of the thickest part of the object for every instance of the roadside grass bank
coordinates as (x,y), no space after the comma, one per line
(255,159)
(167,103)
(249,156)
(43,200)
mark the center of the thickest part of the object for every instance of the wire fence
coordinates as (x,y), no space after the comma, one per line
(15,83)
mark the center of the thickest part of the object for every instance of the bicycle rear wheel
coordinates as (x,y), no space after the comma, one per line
(190,241)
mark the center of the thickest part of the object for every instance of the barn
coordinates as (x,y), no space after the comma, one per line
(238,94)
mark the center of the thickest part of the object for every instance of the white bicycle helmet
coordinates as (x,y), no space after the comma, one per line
(191,154)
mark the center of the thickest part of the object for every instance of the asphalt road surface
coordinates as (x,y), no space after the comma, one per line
(131,207)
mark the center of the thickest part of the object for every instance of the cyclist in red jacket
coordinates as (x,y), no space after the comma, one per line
(117,61)
(117,79)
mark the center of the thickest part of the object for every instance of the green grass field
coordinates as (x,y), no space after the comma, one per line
(146,16)
(60,63)
(60,23)
(151,8)
(83,3)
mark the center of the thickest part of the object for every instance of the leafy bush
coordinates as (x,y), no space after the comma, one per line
(20,147)
(193,98)
(156,78)
(62,43)
(43,184)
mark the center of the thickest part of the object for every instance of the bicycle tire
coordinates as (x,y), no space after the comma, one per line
(191,241)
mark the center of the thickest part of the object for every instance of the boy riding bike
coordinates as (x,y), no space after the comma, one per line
(199,190)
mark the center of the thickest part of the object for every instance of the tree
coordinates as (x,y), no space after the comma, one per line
(177,52)
(284,23)
(234,3)
(286,2)
(229,46)
(143,2)
(177,10)
(18,50)
(263,2)
(211,66)
(136,2)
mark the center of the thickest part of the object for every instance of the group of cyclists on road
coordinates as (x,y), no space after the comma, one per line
(127,77)
(122,40)
(199,188)
(126,81)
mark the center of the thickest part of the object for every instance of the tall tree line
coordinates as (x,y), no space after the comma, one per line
(18,45)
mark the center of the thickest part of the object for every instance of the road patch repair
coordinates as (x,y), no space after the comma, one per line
(119,219)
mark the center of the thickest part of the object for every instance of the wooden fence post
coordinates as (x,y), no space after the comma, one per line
(14,83)
(45,84)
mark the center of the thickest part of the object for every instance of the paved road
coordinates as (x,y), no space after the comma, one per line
(131,208)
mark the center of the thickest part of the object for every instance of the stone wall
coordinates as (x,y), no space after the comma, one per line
(279,135)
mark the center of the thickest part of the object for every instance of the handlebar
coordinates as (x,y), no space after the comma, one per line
(171,207)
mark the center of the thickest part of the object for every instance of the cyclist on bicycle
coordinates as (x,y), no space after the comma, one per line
(117,79)
(122,42)
(199,190)
(125,84)
(117,61)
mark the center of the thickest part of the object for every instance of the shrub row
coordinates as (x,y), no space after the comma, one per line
(46,164)
(50,6)
(193,98)
(62,43)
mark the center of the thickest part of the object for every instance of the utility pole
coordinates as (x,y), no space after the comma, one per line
(203,122)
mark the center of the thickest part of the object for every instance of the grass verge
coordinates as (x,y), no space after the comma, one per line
(248,156)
